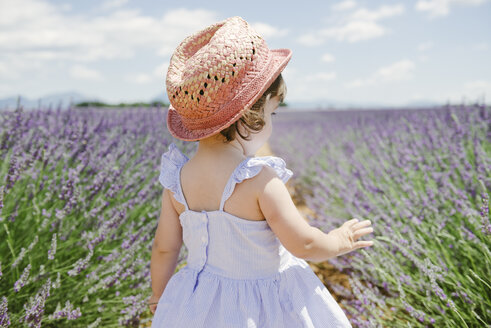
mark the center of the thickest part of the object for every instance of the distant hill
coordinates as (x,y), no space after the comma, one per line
(64,99)
(333,104)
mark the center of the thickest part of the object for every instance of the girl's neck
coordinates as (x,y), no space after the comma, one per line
(214,147)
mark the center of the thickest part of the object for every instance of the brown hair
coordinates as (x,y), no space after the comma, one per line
(253,118)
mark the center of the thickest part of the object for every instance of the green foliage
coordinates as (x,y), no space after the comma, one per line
(123,105)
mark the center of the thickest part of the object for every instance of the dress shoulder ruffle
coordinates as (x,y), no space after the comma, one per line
(171,162)
(252,166)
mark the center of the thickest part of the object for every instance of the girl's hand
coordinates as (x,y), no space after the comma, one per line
(152,303)
(349,232)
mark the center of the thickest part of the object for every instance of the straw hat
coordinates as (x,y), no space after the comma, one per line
(216,74)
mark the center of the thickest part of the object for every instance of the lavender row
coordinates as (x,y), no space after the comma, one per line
(79,205)
(423,178)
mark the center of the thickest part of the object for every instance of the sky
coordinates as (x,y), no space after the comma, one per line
(392,52)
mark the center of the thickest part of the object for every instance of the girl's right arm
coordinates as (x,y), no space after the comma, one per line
(295,234)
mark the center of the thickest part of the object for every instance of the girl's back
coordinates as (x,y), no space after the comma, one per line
(243,201)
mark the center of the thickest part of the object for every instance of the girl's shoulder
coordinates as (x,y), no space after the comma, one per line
(253,165)
(173,159)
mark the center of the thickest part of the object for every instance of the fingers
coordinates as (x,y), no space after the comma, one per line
(361,224)
(361,229)
(361,232)
(363,243)
(351,222)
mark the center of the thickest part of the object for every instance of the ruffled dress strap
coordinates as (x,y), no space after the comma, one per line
(249,168)
(170,172)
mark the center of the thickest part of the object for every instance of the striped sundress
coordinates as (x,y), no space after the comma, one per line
(238,274)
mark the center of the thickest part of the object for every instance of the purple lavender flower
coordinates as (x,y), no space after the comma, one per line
(67,312)
(33,243)
(13,172)
(34,310)
(23,278)
(81,264)
(95,323)
(4,315)
(486,226)
(20,257)
(135,308)
(52,250)
(1,198)
(57,282)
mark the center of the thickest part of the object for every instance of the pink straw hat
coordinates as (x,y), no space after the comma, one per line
(216,74)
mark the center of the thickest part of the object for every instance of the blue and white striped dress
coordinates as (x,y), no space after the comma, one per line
(238,274)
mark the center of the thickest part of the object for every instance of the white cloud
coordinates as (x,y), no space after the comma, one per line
(434,7)
(398,71)
(302,86)
(359,82)
(321,76)
(416,96)
(374,15)
(5,72)
(423,58)
(481,46)
(289,73)
(362,24)
(344,5)
(140,78)
(327,58)
(82,72)
(34,31)
(401,70)
(425,46)
(65,7)
(268,31)
(466,93)
(112,4)
(476,89)
(422,48)
(13,67)
(161,70)
(354,31)
(7,89)
(310,39)
(180,23)
(158,74)
(438,8)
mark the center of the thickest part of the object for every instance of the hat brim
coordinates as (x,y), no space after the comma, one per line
(281,57)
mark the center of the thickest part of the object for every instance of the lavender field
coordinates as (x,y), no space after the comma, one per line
(423,178)
(80,201)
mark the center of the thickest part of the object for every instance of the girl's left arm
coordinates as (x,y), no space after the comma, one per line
(166,246)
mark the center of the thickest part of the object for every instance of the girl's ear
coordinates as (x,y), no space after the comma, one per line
(241,128)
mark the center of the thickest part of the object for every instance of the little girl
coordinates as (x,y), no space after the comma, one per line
(247,243)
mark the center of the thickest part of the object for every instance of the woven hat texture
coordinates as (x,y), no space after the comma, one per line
(216,74)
